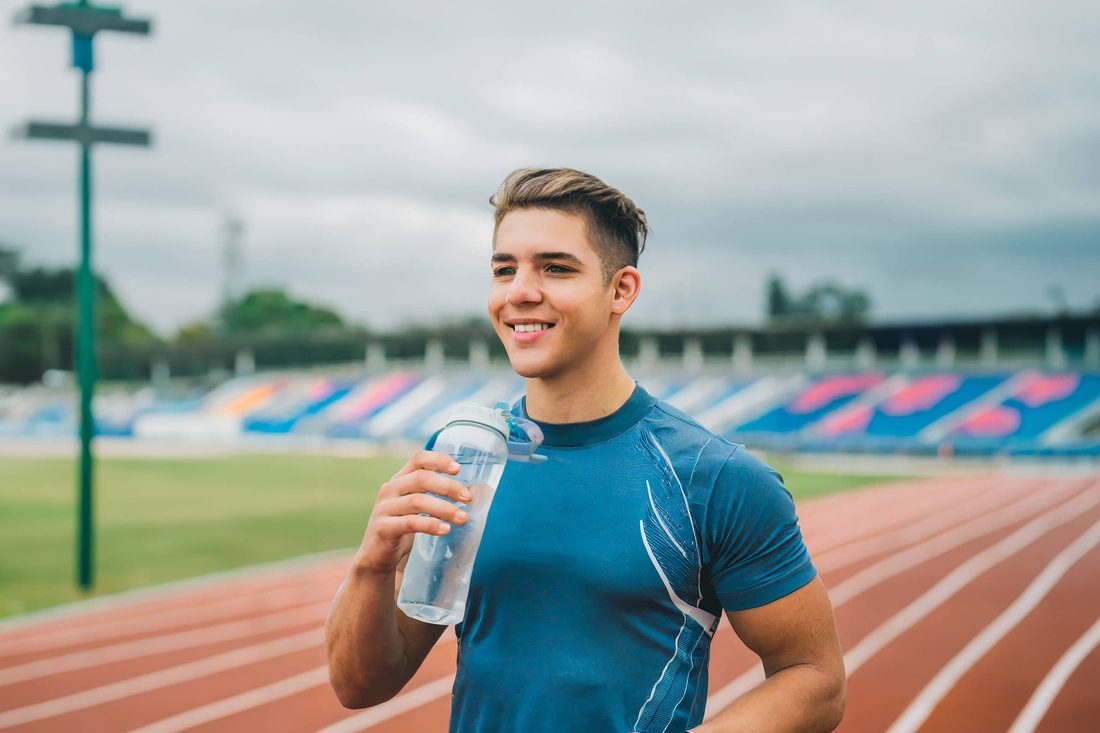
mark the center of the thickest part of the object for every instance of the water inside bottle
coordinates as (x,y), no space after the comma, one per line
(437,577)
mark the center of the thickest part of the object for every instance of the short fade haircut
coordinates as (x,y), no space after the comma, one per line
(616,227)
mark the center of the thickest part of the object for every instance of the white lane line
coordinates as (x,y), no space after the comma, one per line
(403,703)
(880,521)
(868,523)
(162,678)
(922,706)
(841,506)
(160,644)
(911,557)
(853,552)
(827,502)
(239,703)
(256,577)
(962,575)
(271,600)
(1044,696)
(259,696)
(878,493)
(823,513)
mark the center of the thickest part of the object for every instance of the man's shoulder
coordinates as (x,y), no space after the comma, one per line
(699,455)
(675,424)
(696,453)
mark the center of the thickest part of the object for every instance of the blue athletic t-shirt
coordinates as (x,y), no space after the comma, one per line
(603,571)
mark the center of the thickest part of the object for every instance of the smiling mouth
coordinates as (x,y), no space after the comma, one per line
(531,327)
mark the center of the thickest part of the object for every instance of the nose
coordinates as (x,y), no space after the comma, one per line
(524,288)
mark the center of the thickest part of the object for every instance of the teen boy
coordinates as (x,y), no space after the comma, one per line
(602,572)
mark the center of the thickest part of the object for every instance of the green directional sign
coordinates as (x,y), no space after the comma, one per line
(84,21)
(83,134)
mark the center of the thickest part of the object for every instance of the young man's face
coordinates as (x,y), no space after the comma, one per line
(548,300)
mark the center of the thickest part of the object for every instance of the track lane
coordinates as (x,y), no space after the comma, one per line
(426,708)
(149,707)
(186,615)
(313,707)
(866,499)
(77,682)
(1075,707)
(849,581)
(426,689)
(234,631)
(962,576)
(990,695)
(160,679)
(925,703)
(829,535)
(887,682)
(106,610)
(976,505)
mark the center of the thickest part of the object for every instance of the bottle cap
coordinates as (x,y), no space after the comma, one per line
(471,412)
(524,439)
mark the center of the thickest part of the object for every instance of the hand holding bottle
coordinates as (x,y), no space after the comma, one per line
(405,507)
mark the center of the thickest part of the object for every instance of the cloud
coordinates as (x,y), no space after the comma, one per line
(894,145)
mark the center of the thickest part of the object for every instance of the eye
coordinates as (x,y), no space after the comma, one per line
(558,269)
(504,271)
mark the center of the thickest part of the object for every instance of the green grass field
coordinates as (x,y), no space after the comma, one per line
(162,520)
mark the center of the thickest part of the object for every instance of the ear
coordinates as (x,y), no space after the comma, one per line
(627,284)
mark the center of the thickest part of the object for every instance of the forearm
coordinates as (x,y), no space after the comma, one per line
(798,698)
(374,649)
(368,661)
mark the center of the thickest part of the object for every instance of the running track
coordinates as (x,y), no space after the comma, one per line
(964,604)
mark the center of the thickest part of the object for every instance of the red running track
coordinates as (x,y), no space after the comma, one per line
(968,604)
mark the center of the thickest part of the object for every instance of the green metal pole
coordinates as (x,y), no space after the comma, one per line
(85,356)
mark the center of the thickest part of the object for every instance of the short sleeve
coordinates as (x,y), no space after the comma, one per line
(756,551)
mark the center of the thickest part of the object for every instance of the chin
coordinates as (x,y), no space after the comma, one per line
(531,366)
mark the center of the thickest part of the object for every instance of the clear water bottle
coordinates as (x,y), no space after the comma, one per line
(436,581)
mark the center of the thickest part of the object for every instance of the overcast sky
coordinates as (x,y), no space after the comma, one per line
(943,155)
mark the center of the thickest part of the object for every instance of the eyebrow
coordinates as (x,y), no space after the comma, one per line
(540,257)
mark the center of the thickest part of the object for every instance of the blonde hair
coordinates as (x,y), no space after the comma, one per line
(616,227)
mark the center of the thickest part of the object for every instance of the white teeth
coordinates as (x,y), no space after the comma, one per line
(526,327)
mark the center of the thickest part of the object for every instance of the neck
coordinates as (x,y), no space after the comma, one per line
(587,391)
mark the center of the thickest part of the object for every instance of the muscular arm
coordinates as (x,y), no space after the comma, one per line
(805,686)
(373,648)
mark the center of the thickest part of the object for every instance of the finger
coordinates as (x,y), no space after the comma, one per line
(431,461)
(394,528)
(421,481)
(425,504)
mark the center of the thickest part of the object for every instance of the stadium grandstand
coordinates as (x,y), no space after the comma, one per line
(1022,387)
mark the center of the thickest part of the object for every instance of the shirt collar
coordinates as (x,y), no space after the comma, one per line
(577,434)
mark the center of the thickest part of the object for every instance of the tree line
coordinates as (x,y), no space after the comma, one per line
(825,302)
(38,319)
